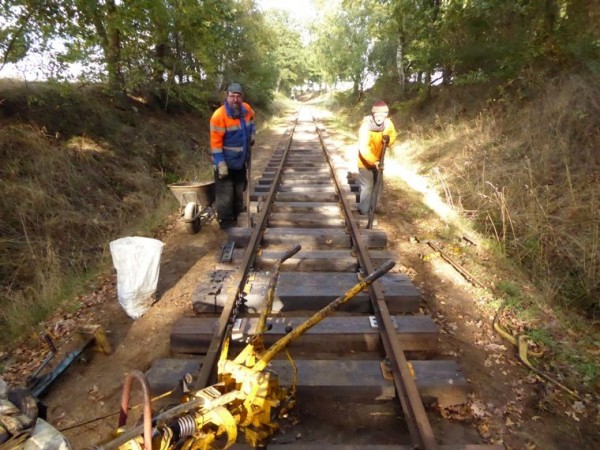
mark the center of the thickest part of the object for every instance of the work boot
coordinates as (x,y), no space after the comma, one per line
(226,224)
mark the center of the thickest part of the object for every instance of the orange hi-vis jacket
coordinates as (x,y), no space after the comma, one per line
(370,142)
(230,137)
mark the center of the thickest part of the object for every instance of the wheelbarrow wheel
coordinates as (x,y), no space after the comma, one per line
(191,217)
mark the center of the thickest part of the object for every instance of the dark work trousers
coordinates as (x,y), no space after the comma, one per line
(367,179)
(229,196)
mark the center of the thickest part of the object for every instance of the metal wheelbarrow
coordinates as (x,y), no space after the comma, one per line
(195,202)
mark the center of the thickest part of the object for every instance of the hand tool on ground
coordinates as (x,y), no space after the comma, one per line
(521,342)
(38,385)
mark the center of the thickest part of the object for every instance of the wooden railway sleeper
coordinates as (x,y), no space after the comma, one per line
(247,395)
(256,398)
(412,406)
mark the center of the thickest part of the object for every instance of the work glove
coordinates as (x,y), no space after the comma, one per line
(379,165)
(386,139)
(222,169)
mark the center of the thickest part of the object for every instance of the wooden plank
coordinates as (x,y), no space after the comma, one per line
(298,181)
(306,196)
(303,156)
(318,237)
(321,207)
(270,256)
(300,162)
(307,178)
(166,373)
(334,334)
(330,237)
(209,287)
(343,260)
(362,380)
(305,215)
(309,207)
(316,290)
(311,291)
(308,148)
(353,380)
(297,196)
(287,170)
(307,261)
(307,188)
(441,380)
(306,220)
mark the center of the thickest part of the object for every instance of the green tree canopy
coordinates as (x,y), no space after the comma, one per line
(191,48)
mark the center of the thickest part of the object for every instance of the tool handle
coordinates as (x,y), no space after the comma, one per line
(262,320)
(248,189)
(291,252)
(377,188)
(320,315)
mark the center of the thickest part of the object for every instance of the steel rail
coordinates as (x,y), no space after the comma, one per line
(418,423)
(209,362)
(419,427)
(207,370)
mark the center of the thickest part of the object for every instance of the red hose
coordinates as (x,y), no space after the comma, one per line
(136,374)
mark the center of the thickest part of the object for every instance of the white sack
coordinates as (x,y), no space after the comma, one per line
(137,261)
(46,437)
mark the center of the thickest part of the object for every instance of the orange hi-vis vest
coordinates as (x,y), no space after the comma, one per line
(230,137)
(370,142)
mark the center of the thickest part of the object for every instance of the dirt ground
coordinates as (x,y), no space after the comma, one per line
(508,406)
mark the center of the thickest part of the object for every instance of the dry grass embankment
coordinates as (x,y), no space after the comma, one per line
(519,170)
(523,172)
(528,174)
(79,169)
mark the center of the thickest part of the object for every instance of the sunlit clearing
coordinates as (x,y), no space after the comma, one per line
(138,99)
(83,146)
(408,173)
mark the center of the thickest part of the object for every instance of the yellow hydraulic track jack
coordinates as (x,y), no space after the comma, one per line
(247,396)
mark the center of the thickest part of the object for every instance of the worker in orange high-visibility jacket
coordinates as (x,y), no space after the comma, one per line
(232,134)
(375,129)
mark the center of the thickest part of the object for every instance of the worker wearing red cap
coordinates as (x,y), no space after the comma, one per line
(375,129)
(232,133)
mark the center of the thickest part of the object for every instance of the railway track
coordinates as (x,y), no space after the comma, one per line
(364,373)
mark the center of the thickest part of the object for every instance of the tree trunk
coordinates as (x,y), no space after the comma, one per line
(110,39)
(400,62)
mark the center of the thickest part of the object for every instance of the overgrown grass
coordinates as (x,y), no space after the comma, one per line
(79,170)
(521,174)
(524,176)
(527,174)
